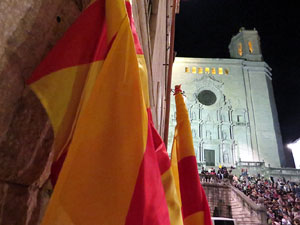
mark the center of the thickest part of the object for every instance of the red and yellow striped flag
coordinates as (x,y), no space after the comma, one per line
(167,178)
(93,85)
(194,205)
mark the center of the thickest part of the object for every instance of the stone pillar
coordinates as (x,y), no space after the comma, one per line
(201,152)
(25,159)
(221,153)
(29,30)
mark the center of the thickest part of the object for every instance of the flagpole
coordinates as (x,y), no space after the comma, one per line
(171,60)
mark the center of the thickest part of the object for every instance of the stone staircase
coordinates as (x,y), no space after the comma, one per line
(226,201)
(241,213)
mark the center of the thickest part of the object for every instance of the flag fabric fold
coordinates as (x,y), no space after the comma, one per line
(112,167)
(194,205)
(168,180)
(64,79)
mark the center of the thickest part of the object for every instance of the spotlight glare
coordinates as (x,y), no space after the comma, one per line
(295,147)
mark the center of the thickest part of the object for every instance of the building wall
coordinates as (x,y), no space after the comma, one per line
(29,29)
(222,126)
(241,124)
(267,130)
(153,20)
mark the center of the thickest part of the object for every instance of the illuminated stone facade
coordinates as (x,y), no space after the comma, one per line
(231,105)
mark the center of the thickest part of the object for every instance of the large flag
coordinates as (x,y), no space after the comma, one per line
(93,85)
(195,208)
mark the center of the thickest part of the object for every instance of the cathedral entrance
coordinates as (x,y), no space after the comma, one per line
(209,156)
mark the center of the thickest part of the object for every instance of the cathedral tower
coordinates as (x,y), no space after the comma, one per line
(246,45)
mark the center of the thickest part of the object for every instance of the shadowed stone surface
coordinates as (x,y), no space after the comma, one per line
(20,204)
(13,204)
(29,29)
(25,150)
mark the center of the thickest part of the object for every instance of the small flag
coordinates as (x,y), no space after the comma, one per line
(195,208)
(167,179)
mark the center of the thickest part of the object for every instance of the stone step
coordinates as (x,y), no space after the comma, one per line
(248,223)
(236,204)
(237,207)
(241,217)
(246,220)
(240,212)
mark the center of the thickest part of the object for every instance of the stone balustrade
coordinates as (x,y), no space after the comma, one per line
(256,210)
(227,201)
(250,164)
(254,168)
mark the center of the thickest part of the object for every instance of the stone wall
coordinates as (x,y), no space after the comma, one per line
(245,211)
(29,29)
(225,201)
(218,197)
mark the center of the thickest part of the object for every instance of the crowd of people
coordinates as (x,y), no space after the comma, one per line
(280,197)
(211,175)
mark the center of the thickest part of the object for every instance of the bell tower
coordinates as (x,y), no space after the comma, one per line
(246,45)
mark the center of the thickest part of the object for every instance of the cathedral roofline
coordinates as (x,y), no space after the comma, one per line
(251,65)
(228,61)
(209,60)
(254,66)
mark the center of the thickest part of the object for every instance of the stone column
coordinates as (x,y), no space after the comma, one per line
(221,153)
(25,159)
(29,30)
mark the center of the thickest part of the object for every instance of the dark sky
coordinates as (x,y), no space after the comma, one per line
(204,29)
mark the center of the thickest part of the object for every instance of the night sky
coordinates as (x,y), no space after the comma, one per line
(204,29)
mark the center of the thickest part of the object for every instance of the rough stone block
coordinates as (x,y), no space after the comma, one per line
(25,150)
(21,204)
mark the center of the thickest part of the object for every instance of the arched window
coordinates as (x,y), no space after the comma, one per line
(240,49)
(250,46)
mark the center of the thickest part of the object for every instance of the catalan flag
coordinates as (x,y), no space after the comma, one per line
(194,205)
(167,179)
(93,85)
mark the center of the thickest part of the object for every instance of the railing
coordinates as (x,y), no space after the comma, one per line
(253,168)
(291,174)
(289,171)
(250,164)
(201,163)
(259,211)
(255,210)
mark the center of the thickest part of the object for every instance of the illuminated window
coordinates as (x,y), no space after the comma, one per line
(200,70)
(240,49)
(206,70)
(220,70)
(226,71)
(187,69)
(194,69)
(213,70)
(250,46)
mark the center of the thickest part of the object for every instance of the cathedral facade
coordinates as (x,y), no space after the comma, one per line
(231,105)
